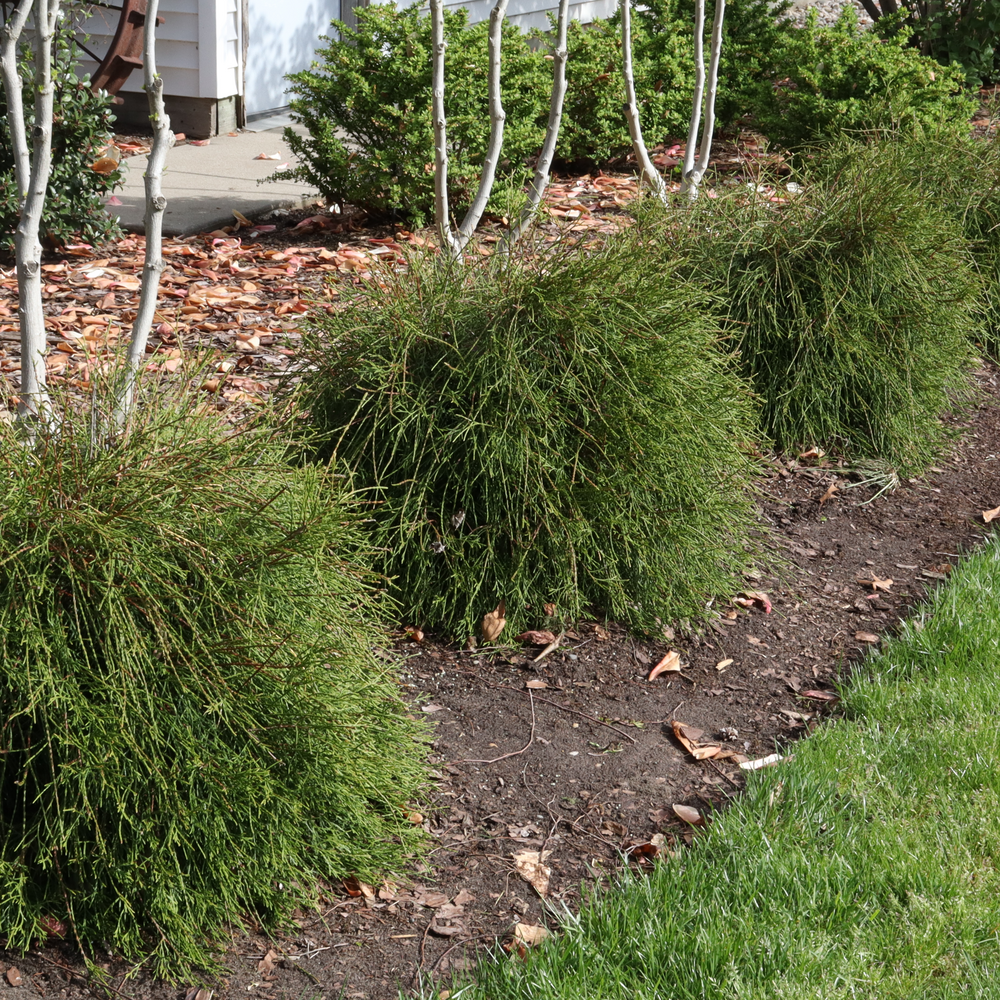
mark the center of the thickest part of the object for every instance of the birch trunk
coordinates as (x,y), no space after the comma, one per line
(649,172)
(442,218)
(540,181)
(497,118)
(694,168)
(12,85)
(35,404)
(153,263)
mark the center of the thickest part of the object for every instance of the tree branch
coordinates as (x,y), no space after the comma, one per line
(441,214)
(12,85)
(694,169)
(540,181)
(153,263)
(497,118)
(649,172)
(34,402)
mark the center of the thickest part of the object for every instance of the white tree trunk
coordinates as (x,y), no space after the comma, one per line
(12,85)
(442,218)
(695,159)
(497,118)
(649,172)
(540,181)
(153,264)
(35,403)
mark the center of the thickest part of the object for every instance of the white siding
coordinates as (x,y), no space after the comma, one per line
(527,14)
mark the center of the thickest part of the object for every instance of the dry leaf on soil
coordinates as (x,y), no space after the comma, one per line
(355,887)
(830,490)
(14,977)
(687,735)
(875,582)
(866,637)
(530,867)
(494,622)
(530,934)
(670,663)
(199,993)
(821,695)
(754,599)
(535,637)
(689,814)
(991,515)
(536,685)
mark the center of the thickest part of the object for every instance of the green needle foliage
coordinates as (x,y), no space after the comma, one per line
(557,427)
(193,728)
(865,867)
(852,308)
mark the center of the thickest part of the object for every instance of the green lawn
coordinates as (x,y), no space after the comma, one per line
(865,867)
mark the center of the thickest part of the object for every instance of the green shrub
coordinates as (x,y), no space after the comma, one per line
(74,204)
(827,81)
(956,174)
(557,428)
(851,307)
(195,730)
(367,106)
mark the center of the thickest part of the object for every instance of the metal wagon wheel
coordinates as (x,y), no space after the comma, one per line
(125,52)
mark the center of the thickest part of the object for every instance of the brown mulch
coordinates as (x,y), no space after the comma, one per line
(583,765)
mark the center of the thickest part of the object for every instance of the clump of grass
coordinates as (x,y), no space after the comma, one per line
(866,866)
(851,307)
(557,428)
(193,727)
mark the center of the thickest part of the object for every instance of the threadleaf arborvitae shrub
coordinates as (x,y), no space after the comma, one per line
(559,427)
(82,124)
(195,730)
(826,81)
(851,308)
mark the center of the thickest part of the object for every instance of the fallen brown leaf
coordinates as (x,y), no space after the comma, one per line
(355,887)
(687,735)
(530,934)
(670,663)
(991,515)
(875,582)
(536,685)
(536,637)
(494,622)
(830,490)
(754,599)
(822,695)
(689,815)
(866,637)
(14,977)
(530,867)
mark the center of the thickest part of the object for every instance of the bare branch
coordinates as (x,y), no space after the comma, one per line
(34,402)
(649,172)
(497,118)
(540,181)
(694,169)
(12,85)
(153,265)
(441,212)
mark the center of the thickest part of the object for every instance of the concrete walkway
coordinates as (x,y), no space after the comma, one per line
(203,184)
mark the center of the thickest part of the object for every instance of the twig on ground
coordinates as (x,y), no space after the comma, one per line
(583,715)
(513,753)
(448,951)
(723,773)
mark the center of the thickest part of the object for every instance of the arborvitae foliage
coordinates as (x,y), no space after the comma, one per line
(852,307)
(958,174)
(560,428)
(194,728)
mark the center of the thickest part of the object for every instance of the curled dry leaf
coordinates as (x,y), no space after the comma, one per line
(549,609)
(355,887)
(494,622)
(199,993)
(991,515)
(432,899)
(830,490)
(875,582)
(687,735)
(689,815)
(866,637)
(821,695)
(536,637)
(530,867)
(536,685)
(266,964)
(530,934)
(670,663)
(754,599)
